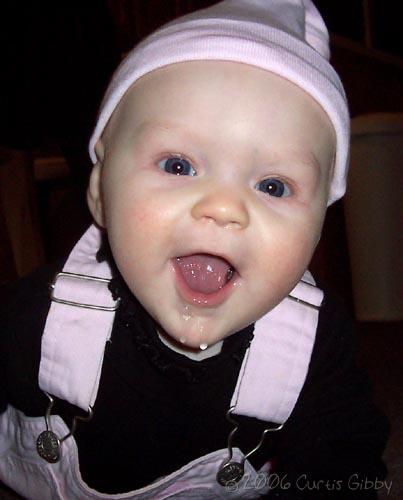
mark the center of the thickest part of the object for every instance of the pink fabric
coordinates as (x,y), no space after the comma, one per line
(74,338)
(275,367)
(287,37)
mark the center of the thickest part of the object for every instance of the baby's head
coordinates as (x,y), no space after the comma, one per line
(221,141)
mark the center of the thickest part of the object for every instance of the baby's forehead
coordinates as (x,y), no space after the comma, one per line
(179,89)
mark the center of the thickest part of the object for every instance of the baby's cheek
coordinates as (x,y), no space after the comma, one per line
(302,246)
(138,229)
(126,212)
(286,256)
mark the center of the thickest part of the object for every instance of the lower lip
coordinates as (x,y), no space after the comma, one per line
(202,299)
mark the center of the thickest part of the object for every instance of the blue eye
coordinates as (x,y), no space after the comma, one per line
(176,166)
(274,187)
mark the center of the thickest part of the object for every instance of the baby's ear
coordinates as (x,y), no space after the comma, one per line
(94,191)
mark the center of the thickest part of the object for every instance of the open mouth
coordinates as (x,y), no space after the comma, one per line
(204,278)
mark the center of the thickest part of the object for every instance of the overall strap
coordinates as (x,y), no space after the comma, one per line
(78,325)
(276,364)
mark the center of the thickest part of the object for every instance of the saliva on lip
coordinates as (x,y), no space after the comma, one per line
(199,301)
(186,316)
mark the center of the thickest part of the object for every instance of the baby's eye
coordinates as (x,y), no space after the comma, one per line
(177,166)
(274,187)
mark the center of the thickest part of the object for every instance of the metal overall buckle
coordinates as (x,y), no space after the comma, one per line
(304,302)
(48,444)
(80,304)
(230,471)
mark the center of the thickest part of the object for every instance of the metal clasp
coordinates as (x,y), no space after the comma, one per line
(80,304)
(48,444)
(304,302)
(232,472)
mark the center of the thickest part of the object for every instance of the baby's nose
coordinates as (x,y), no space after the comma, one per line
(226,210)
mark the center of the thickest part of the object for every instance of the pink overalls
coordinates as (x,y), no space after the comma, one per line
(78,325)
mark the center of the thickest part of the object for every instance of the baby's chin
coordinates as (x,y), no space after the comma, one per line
(195,333)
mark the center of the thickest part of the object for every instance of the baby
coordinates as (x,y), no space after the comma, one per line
(184,327)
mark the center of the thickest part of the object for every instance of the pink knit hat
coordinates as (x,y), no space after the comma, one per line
(286,37)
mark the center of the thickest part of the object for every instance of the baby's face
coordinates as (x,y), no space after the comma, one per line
(212,182)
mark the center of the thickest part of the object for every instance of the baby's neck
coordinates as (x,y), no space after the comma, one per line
(195,354)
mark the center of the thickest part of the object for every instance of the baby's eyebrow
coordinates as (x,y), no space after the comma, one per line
(307,158)
(172,128)
(297,157)
(149,125)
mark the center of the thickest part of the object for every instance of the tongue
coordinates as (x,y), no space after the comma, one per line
(204,273)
